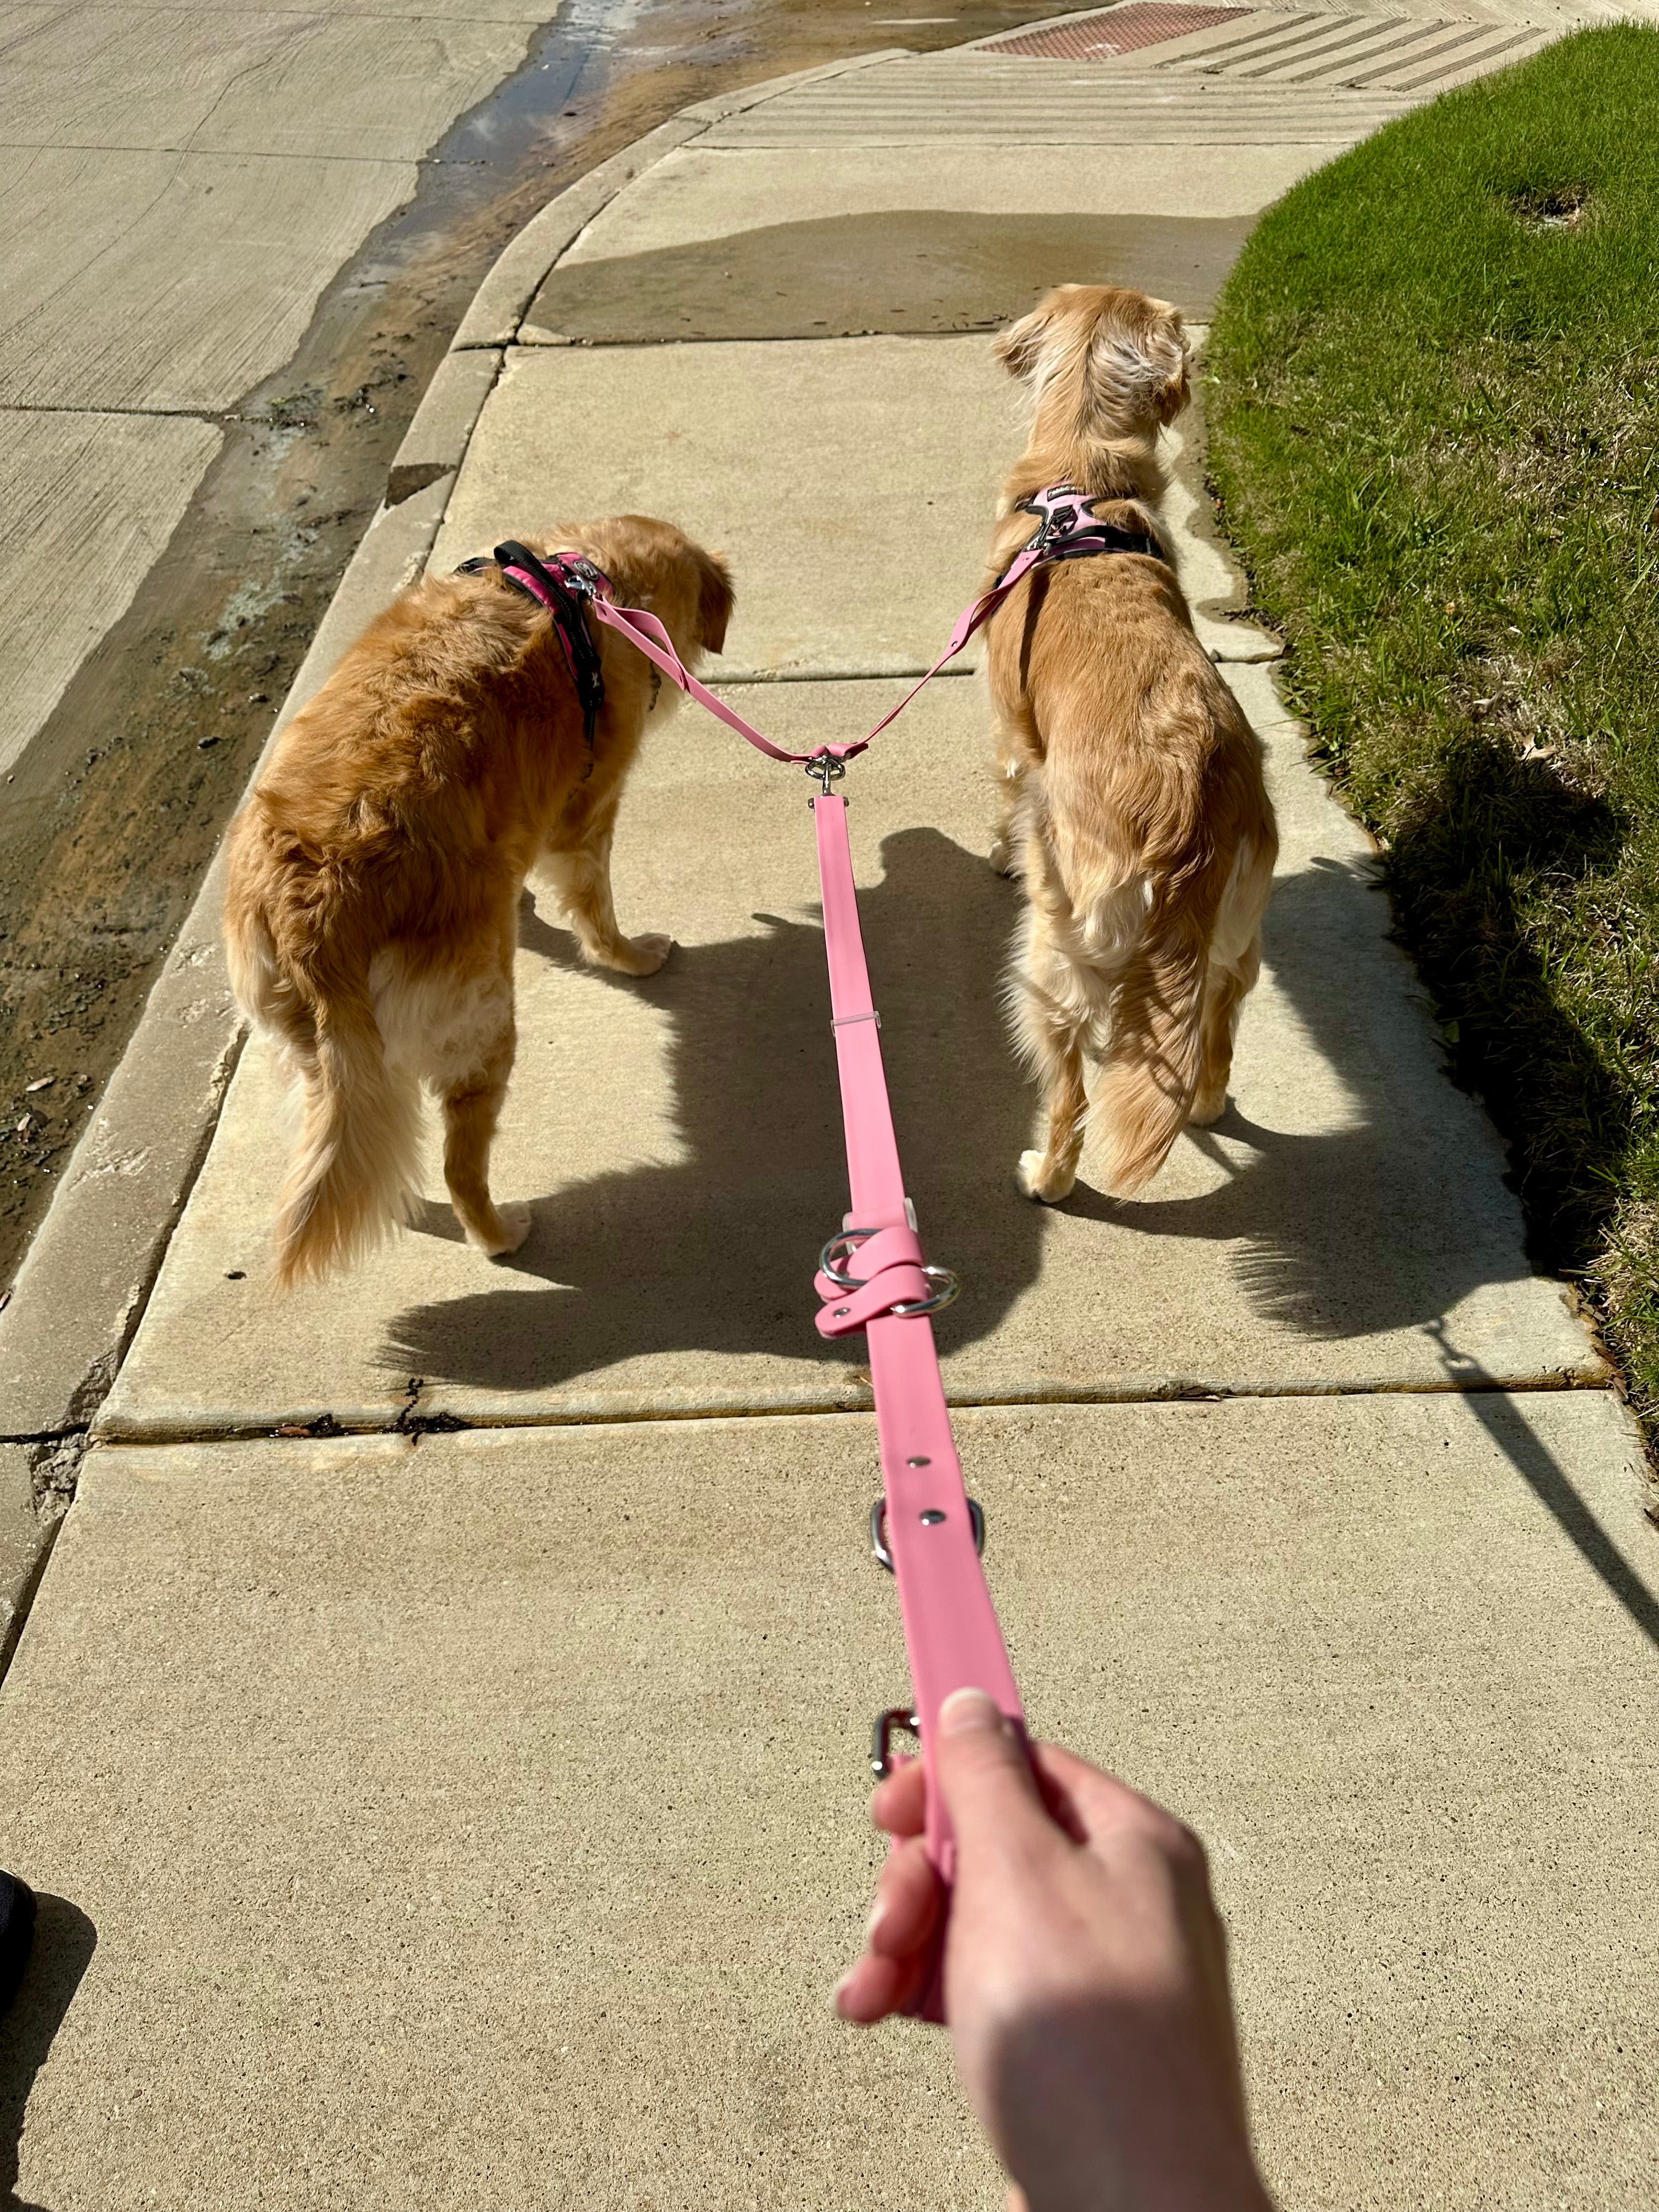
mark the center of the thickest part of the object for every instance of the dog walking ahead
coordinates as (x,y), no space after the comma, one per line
(1132,800)
(372,912)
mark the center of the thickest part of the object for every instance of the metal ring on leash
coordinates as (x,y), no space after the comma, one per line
(878,1530)
(848,1237)
(949,1291)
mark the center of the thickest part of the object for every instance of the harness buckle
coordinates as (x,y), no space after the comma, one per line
(829,767)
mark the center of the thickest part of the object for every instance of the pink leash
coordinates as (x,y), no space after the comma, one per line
(872,1275)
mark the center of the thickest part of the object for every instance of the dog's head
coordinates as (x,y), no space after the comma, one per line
(1101,362)
(651,564)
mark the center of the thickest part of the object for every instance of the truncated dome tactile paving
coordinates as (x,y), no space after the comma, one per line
(1114,31)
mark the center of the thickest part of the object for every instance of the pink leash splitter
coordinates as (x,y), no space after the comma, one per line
(872,1275)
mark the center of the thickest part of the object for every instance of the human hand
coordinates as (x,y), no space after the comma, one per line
(1085,1975)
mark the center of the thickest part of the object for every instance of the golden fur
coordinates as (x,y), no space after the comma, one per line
(1132,801)
(375,870)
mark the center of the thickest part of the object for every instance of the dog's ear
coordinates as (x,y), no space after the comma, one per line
(1019,347)
(1139,370)
(1168,349)
(715,599)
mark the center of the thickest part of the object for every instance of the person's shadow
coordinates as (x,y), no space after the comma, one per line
(64,1939)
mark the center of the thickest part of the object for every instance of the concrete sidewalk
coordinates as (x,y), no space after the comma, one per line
(474,1819)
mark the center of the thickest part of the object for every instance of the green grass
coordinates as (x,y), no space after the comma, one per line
(1434,432)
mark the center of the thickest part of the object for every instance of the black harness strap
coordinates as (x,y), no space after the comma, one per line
(581,655)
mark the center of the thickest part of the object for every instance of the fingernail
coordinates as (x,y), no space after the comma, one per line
(840,1989)
(965,1710)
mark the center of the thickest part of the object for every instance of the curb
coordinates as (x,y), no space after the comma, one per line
(85,1281)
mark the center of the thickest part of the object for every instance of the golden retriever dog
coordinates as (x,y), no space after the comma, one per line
(372,911)
(1130,786)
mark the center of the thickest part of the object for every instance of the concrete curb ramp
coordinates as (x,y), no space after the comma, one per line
(473,1819)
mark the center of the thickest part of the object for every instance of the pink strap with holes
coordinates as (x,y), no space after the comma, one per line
(950,1631)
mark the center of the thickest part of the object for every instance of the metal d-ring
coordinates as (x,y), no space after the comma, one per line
(827,1259)
(828,766)
(949,1291)
(878,1530)
(881,1752)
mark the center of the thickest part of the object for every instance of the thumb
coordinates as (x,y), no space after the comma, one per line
(985,1777)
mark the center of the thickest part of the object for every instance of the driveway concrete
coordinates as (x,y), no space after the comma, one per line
(473,1819)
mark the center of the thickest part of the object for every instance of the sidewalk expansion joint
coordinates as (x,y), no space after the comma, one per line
(1179,1390)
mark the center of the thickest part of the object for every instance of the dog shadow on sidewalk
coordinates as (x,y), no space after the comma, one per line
(1340,1233)
(1367,1227)
(64,1939)
(715,1252)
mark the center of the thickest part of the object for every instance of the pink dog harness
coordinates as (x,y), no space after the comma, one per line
(872,1275)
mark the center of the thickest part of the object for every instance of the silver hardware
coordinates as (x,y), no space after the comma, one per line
(831,1254)
(846,1021)
(932,1517)
(879,1535)
(949,1291)
(920,1459)
(881,1752)
(824,765)
(841,1248)
(879,1525)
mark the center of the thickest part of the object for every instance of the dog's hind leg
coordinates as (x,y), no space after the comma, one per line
(472,1107)
(1224,992)
(453,1025)
(1048,1172)
(1048,1001)
(1234,965)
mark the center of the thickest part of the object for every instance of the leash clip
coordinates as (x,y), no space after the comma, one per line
(828,766)
(881,1738)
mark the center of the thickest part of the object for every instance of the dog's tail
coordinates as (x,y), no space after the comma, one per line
(358,1155)
(1143,1097)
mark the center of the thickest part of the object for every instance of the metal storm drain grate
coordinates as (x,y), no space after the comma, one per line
(1118,30)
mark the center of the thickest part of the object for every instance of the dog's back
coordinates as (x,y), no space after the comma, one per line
(1148,844)
(1134,801)
(375,869)
(388,813)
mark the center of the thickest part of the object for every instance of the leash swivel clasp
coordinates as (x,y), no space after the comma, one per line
(828,766)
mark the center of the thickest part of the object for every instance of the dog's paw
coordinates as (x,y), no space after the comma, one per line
(1208,1107)
(1037,1178)
(637,955)
(514,1228)
(1002,857)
